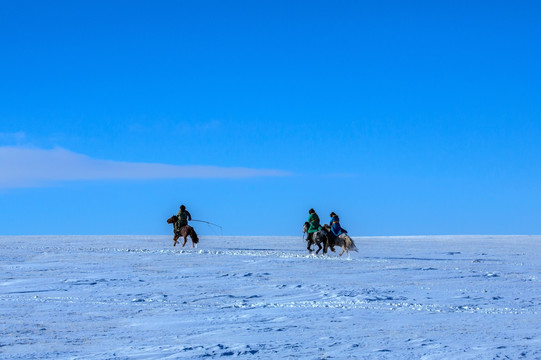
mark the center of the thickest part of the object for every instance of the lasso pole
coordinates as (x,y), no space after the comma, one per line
(209,223)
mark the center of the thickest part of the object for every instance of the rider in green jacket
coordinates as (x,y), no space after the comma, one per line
(313,219)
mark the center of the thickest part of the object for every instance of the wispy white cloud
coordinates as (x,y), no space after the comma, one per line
(30,167)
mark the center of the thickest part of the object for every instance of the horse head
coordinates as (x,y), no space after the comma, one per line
(173,219)
(306,227)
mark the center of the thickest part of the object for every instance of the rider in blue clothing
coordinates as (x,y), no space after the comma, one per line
(336,229)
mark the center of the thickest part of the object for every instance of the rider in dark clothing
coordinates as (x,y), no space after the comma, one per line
(183,217)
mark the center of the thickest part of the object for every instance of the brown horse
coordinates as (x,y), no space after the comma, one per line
(183,231)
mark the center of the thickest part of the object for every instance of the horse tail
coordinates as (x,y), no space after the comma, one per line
(350,244)
(194,237)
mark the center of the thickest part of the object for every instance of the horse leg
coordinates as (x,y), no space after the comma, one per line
(185,239)
(310,241)
(343,249)
(331,243)
(319,246)
(175,239)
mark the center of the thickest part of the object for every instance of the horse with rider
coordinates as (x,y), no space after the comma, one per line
(181,227)
(327,235)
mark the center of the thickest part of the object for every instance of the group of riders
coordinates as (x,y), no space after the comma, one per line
(329,235)
(315,226)
(183,216)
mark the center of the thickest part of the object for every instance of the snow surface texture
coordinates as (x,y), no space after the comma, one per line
(137,297)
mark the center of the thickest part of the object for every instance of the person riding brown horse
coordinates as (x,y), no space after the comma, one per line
(184,231)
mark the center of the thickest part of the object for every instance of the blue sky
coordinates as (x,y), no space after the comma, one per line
(405,118)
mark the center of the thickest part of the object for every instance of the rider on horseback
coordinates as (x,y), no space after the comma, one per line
(336,229)
(183,216)
(313,219)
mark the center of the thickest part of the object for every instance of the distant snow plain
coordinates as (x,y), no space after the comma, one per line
(137,297)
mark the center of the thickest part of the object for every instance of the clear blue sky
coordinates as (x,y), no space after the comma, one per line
(404,118)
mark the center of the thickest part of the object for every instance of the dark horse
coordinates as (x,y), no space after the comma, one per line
(318,238)
(183,231)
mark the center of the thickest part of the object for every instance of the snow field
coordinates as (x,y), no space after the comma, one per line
(137,297)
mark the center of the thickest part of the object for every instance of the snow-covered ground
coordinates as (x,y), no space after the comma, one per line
(137,297)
